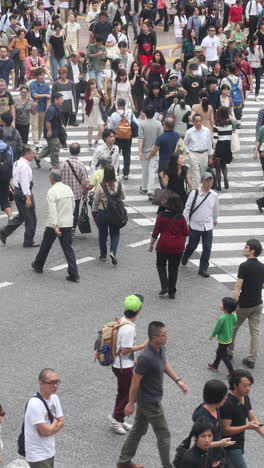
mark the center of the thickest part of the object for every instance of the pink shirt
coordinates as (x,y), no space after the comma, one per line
(29,65)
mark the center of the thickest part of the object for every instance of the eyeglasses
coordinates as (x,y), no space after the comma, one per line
(52,382)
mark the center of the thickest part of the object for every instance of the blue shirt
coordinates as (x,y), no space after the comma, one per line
(166,142)
(53,116)
(36,88)
(3,146)
(5,68)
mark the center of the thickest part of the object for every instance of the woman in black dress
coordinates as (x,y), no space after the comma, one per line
(138,86)
(222,143)
(176,177)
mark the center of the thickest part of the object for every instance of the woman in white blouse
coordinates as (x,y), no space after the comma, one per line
(114,39)
(180,22)
(121,89)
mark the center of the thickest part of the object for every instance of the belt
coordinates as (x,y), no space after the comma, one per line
(195,151)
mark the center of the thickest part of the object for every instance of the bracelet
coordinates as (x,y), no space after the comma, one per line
(176,381)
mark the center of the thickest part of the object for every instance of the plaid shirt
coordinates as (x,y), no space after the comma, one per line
(42,16)
(68,178)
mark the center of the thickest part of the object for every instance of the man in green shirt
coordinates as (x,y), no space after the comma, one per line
(224,331)
(96,53)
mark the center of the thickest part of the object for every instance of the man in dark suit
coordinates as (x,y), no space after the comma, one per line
(74,74)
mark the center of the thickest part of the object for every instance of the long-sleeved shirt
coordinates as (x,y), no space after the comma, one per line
(198,140)
(224,328)
(22,176)
(61,205)
(204,218)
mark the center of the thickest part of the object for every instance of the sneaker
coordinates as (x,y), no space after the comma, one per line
(102,258)
(248,363)
(210,366)
(144,192)
(127,426)
(125,177)
(74,279)
(163,292)
(36,269)
(113,258)
(257,99)
(117,426)
(204,274)
(259,204)
(150,196)
(37,148)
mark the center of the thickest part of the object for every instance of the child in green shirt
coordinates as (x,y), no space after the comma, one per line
(224,331)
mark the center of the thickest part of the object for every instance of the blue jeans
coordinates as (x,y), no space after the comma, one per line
(194,239)
(97,75)
(103,227)
(235,458)
(133,19)
(55,64)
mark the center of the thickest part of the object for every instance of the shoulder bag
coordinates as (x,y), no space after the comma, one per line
(192,209)
(73,171)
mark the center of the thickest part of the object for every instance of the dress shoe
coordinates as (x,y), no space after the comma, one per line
(172,295)
(129,465)
(36,269)
(2,238)
(74,279)
(31,245)
(226,183)
(204,274)
(163,292)
(37,161)
(184,260)
(259,203)
(249,364)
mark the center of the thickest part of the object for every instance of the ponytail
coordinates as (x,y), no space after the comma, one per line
(205,104)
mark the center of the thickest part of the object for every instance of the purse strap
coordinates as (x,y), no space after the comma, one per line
(73,171)
(169,224)
(192,209)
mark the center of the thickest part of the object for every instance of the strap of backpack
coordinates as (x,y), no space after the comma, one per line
(198,206)
(119,190)
(50,415)
(193,203)
(73,171)
(106,191)
(169,224)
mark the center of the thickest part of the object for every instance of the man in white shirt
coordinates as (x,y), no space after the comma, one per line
(253,10)
(211,47)
(201,212)
(22,180)
(124,362)
(41,425)
(198,145)
(59,224)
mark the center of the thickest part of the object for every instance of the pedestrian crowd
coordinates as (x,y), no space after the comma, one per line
(185,119)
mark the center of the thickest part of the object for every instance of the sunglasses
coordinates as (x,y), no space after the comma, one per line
(52,382)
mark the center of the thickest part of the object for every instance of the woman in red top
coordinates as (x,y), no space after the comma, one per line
(172,228)
(156,68)
(235,14)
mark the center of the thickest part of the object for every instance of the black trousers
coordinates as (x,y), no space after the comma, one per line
(24,132)
(253,20)
(125,147)
(25,215)
(168,280)
(76,213)
(221,355)
(77,5)
(65,242)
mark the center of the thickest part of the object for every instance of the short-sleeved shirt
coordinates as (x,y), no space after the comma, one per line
(151,364)
(166,142)
(68,177)
(36,88)
(126,338)
(238,413)
(211,44)
(103,30)
(53,116)
(37,447)
(6,101)
(6,66)
(252,274)
(146,43)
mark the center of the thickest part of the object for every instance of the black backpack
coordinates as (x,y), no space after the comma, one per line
(21,438)
(115,210)
(181,450)
(6,165)
(12,141)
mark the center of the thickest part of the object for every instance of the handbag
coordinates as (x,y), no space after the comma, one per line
(235,143)
(103,111)
(123,19)
(13,53)
(161,197)
(84,221)
(180,145)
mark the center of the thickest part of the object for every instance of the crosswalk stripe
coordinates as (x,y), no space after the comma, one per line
(65,265)
(5,284)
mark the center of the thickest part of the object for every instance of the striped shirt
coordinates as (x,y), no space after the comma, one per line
(223,133)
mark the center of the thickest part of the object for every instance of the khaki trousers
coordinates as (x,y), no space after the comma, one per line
(49,463)
(64,15)
(253,314)
(52,150)
(37,126)
(198,165)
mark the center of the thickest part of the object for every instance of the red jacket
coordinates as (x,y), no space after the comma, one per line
(89,102)
(172,239)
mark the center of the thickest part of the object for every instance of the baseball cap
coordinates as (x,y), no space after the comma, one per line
(134,302)
(173,75)
(207,175)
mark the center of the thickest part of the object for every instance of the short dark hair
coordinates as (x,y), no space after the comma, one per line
(99,38)
(229,304)
(130,313)
(75,149)
(107,132)
(44,372)
(122,44)
(121,102)
(214,391)
(254,244)
(211,80)
(3,47)
(196,115)
(36,23)
(149,112)
(26,149)
(231,68)
(12,17)
(200,426)
(7,118)
(39,71)
(103,13)
(236,377)
(154,329)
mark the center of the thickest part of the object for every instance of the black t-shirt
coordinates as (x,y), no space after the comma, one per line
(147,14)
(214,453)
(146,43)
(103,30)
(238,413)
(252,274)
(151,364)
(195,458)
(138,88)
(192,84)
(58,46)
(214,99)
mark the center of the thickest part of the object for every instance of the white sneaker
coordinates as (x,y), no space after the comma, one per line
(127,426)
(257,98)
(117,426)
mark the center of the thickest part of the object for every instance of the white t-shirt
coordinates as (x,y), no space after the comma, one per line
(38,447)
(177,25)
(211,44)
(91,15)
(126,338)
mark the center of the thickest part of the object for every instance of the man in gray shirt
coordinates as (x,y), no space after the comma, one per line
(147,388)
(148,131)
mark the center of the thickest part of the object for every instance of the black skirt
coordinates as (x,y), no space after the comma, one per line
(223,151)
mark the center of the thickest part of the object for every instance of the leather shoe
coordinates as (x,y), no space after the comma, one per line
(129,465)
(2,238)
(172,295)
(184,260)
(36,269)
(74,279)
(204,274)
(249,364)
(258,202)
(163,292)
(31,245)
